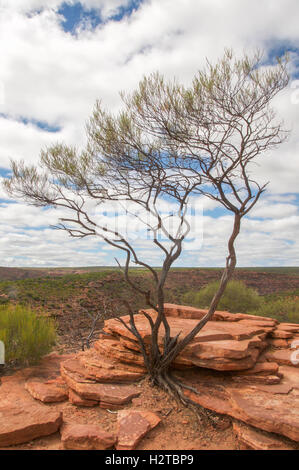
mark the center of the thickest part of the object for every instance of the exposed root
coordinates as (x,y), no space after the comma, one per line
(175,388)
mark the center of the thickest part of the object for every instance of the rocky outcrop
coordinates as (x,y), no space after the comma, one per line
(220,345)
(107,395)
(183,311)
(240,366)
(273,408)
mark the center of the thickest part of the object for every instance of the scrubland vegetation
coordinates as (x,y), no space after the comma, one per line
(29,305)
(239,298)
(27,337)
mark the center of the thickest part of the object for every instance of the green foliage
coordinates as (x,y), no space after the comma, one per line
(284,309)
(48,289)
(26,336)
(236,298)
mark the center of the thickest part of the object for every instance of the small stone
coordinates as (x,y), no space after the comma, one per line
(133,425)
(86,437)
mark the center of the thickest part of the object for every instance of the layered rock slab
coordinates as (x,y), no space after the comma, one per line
(30,421)
(219,345)
(75,399)
(184,311)
(51,391)
(92,366)
(212,331)
(106,394)
(272,408)
(289,357)
(86,437)
(22,418)
(255,439)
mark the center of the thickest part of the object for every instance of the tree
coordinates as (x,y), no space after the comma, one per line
(168,144)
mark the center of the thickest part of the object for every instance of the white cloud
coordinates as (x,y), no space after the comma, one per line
(51,76)
(107,8)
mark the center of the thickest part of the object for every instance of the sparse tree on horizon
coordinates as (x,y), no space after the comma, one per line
(170,143)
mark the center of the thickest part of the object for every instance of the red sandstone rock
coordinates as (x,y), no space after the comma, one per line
(183,311)
(91,366)
(112,354)
(282,356)
(23,423)
(229,342)
(219,345)
(231,349)
(119,351)
(281,334)
(293,342)
(289,327)
(86,437)
(212,331)
(290,375)
(253,438)
(266,324)
(278,343)
(257,379)
(75,399)
(133,425)
(245,316)
(261,368)
(22,418)
(47,392)
(114,394)
(272,412)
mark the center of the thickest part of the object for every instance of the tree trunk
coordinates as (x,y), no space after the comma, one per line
(160,372)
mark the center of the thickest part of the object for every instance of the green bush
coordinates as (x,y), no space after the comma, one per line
(26,336)
(236,298)
(283,309)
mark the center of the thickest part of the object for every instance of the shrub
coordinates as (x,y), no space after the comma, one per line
(236,298)
(283,309)
(26,336)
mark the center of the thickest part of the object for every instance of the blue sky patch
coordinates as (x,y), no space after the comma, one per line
(75,14)
(127,10)
(45,126)
(279,48)
(4,172)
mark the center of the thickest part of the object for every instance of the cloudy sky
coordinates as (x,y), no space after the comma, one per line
(58,57)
